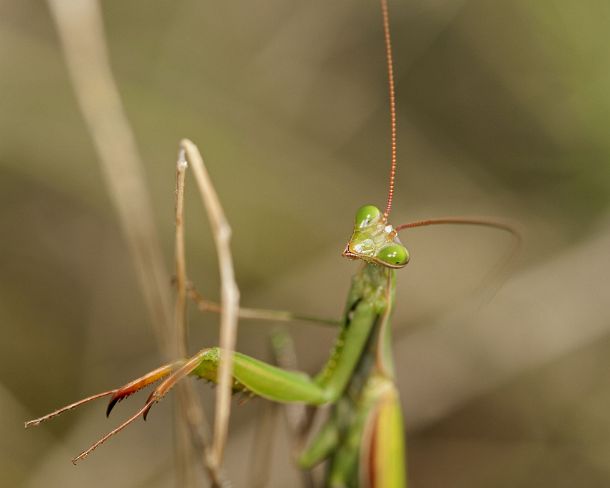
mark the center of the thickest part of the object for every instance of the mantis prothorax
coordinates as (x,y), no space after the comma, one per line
(363,438)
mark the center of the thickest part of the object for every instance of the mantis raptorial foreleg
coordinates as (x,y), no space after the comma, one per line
(274,383)
(367,307)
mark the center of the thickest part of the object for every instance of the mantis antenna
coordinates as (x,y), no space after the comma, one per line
(484,222)
(511,228)
(479,221)
(392,94)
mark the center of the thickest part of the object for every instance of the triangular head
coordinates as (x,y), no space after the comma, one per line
(375,241)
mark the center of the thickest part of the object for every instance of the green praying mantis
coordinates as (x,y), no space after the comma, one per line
(363,438)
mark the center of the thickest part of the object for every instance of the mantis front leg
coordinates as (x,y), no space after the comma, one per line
(280,385)
(249,375)
(253,375)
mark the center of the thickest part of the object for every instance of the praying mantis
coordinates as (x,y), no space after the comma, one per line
(363,438)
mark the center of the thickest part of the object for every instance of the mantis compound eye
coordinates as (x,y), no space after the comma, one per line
(394,255)
(367,215)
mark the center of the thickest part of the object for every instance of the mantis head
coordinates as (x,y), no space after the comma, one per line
(375,241)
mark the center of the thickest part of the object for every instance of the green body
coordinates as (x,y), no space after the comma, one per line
(363,438)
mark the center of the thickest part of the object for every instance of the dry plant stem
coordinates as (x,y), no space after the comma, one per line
(186,400)
(180,307)
(229,298)
(206,305)
(81,33)
(192,423)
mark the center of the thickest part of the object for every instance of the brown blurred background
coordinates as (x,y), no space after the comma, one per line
(504,109)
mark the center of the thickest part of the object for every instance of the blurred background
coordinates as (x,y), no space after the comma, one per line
(503,110)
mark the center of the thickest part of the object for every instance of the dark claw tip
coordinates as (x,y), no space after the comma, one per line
(113,401)
(151,400)
(145,414)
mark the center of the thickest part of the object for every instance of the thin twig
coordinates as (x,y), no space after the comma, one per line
(186,400)
(193,416)
(229,298)
(180,306)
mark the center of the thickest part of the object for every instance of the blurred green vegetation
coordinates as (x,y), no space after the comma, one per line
(503,110)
